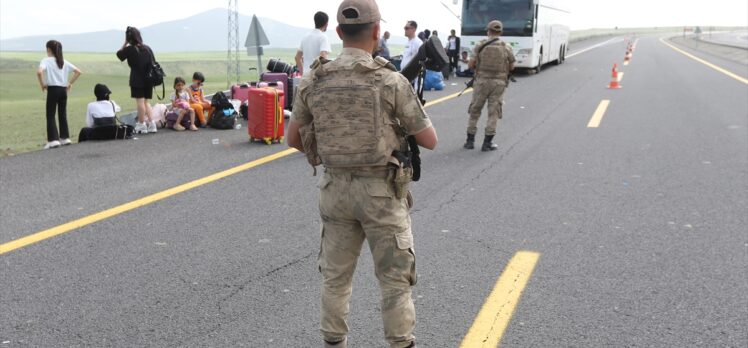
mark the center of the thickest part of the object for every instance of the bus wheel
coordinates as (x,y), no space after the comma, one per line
(560,59)
(563,55)
(540,65)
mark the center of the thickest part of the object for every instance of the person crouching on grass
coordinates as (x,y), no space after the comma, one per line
(180,102)
(53,75)
(197,99)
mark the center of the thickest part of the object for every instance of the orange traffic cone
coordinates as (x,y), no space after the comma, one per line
(627,58)
(614,81)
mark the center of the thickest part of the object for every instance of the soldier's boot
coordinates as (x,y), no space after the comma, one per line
(488,144)
(339,344)
(470,142)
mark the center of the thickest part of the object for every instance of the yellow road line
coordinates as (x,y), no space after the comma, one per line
(597,117)
(67,227)
(722,70)
(103,215)
(494,316)
(620,75)
(443,99)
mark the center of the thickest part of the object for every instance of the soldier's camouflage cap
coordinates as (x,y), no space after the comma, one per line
(495,25)
(366,11)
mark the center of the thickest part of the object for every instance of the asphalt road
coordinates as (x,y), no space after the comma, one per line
(640,224)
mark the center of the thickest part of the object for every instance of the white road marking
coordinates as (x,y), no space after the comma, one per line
(594,46)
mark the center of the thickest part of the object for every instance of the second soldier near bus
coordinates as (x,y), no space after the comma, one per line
(492,62)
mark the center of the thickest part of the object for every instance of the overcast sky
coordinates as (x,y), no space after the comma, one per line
(49,17)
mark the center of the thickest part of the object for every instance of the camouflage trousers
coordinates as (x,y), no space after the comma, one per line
(491,90)
(357,206)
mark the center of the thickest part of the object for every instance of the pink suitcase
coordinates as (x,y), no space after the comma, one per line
(278,77)
(241,91)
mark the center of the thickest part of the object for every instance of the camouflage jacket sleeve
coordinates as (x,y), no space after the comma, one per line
(408,109)
(510,55)
(301,113)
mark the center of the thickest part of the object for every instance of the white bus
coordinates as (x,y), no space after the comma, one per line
(537,30)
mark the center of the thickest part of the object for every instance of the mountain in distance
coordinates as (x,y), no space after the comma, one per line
(205,31)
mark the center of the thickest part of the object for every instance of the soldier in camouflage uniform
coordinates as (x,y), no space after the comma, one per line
(351,115)
(492,62)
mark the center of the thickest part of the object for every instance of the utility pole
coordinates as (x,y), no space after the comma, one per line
(232,55)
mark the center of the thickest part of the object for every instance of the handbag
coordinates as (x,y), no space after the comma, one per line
(122,131)
(154,75)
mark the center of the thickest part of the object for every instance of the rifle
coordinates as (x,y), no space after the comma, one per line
(470,83)
(415,157)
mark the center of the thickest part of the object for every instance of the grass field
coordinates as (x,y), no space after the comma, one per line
(22,103)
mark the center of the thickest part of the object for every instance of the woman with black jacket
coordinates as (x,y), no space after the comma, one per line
(139,56)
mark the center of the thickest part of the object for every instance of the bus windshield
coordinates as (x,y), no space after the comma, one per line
(516,15)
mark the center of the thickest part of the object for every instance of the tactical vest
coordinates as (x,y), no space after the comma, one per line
(492,61)
(351,126)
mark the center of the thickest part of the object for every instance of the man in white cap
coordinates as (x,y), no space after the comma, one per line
(352,115)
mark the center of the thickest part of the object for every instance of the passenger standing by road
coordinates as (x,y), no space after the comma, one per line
(314,44)
(139,56)
(492,62)
(384,48)
(414,43)
(53,75)
(426,34)
(364,195)
(453,50)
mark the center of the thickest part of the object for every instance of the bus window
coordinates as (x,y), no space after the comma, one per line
(516,15)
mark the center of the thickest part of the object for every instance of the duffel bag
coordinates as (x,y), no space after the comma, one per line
(223,118)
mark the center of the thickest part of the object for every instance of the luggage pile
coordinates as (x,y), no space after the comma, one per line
(263,102)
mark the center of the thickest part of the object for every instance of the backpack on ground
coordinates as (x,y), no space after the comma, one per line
(224,115)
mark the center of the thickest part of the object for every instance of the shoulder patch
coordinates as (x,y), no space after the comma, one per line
(385,63)
(319,62)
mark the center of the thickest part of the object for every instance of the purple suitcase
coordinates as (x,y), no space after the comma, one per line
(278,77)
(171,119)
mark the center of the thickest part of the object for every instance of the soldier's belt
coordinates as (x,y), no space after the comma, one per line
(378,172)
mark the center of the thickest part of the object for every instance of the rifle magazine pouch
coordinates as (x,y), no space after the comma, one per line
(401,182)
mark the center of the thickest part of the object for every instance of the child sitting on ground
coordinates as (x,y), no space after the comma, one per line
(180,103)
(197,99)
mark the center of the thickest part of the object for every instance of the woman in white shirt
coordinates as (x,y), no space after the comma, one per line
(53,75)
